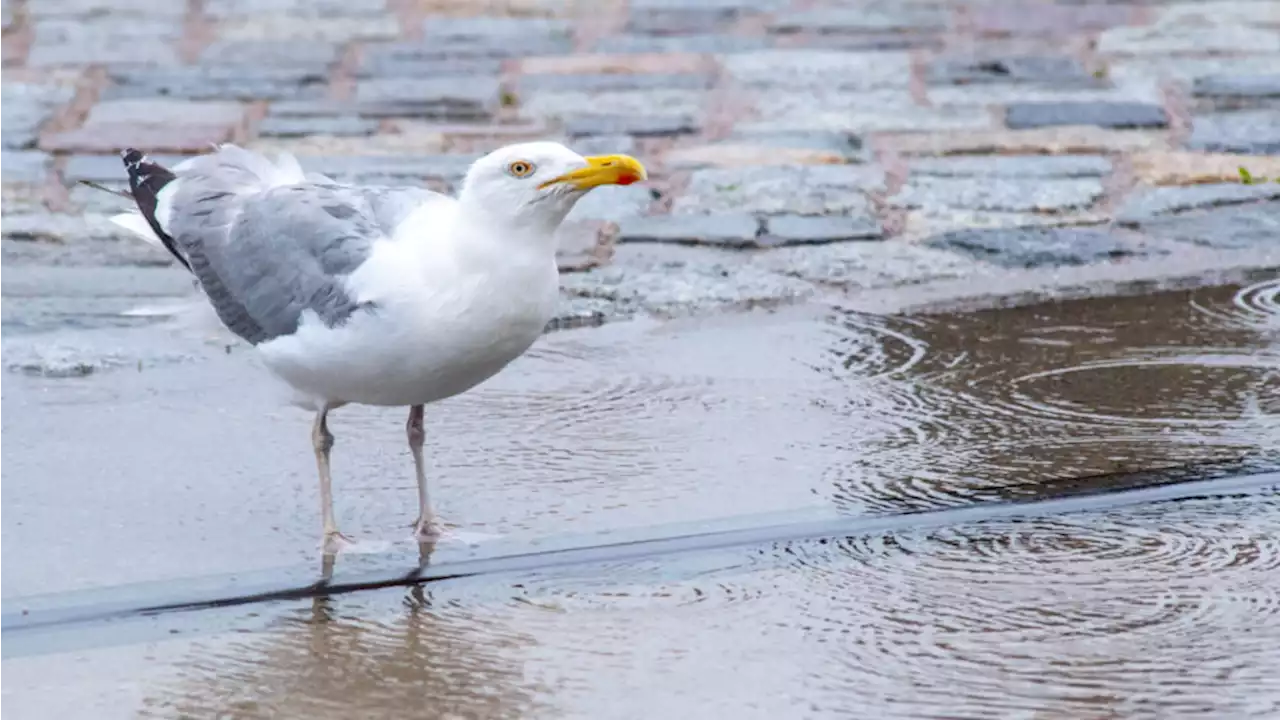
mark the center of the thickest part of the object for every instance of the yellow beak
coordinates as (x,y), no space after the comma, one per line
(603,170)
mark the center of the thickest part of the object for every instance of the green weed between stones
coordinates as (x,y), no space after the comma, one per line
(1247,178)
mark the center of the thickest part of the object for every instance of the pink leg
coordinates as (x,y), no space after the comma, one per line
(426,527)
(322,441)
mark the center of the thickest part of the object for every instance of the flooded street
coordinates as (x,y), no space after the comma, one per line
(149,464)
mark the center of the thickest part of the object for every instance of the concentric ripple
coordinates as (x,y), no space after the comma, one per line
(895,480)
(1172,608)
(1253,307)
(707,579)
(1203,388)
(869,347)
(970,405)
(1125,604)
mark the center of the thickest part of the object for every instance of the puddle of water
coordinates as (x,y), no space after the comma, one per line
(989,400)
(1168,608)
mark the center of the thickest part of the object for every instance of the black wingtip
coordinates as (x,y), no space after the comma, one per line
(132,157)
(146,180)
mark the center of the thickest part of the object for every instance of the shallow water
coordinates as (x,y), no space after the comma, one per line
(188,471)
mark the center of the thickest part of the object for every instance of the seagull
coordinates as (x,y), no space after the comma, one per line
(377,295)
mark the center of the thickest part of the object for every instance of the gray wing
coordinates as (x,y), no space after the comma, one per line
(265,256)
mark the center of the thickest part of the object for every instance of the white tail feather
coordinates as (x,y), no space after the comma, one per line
(136,224)
(288,171)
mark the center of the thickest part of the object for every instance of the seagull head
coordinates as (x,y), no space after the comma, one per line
(536,184)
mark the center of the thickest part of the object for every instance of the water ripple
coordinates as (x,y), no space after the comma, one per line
(1179,388)
(1173,607)
(1129,604)
(1253,307)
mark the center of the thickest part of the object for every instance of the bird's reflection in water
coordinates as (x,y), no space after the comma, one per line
(329,562)
(394,653)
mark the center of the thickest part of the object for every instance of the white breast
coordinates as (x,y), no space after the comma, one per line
(442,324)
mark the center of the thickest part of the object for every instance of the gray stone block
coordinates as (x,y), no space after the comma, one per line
(317,56)
(801,71)
(800,190)
(604,145)
(735,6)
(499,47)
(494,29)
(1252,132)
(811,229)
(166,111)
(999,194)
(614,203)
(89,9)
(843,143)
(438,98)
(1252,86)
(1038,247)
(1151,202)
(605,82)
(701,43)
(287,126)
(106,41)
(301,9)
(24,166)
(1051,70)
(1256,225)
(391,65)
(448,168)
(213,82)
(20,123)
(732,230)
(1024,116)
(640,126)
(1028,166)
(887,18)
(685,21)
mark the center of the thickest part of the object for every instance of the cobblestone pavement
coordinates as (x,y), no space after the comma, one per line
(795,144)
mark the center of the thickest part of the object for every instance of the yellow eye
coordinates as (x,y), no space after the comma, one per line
(520,168)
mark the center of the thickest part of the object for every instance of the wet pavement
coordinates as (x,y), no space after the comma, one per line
(828,488)
(174,472)
(792,144)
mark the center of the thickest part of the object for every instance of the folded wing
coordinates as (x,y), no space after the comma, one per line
(267,243)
